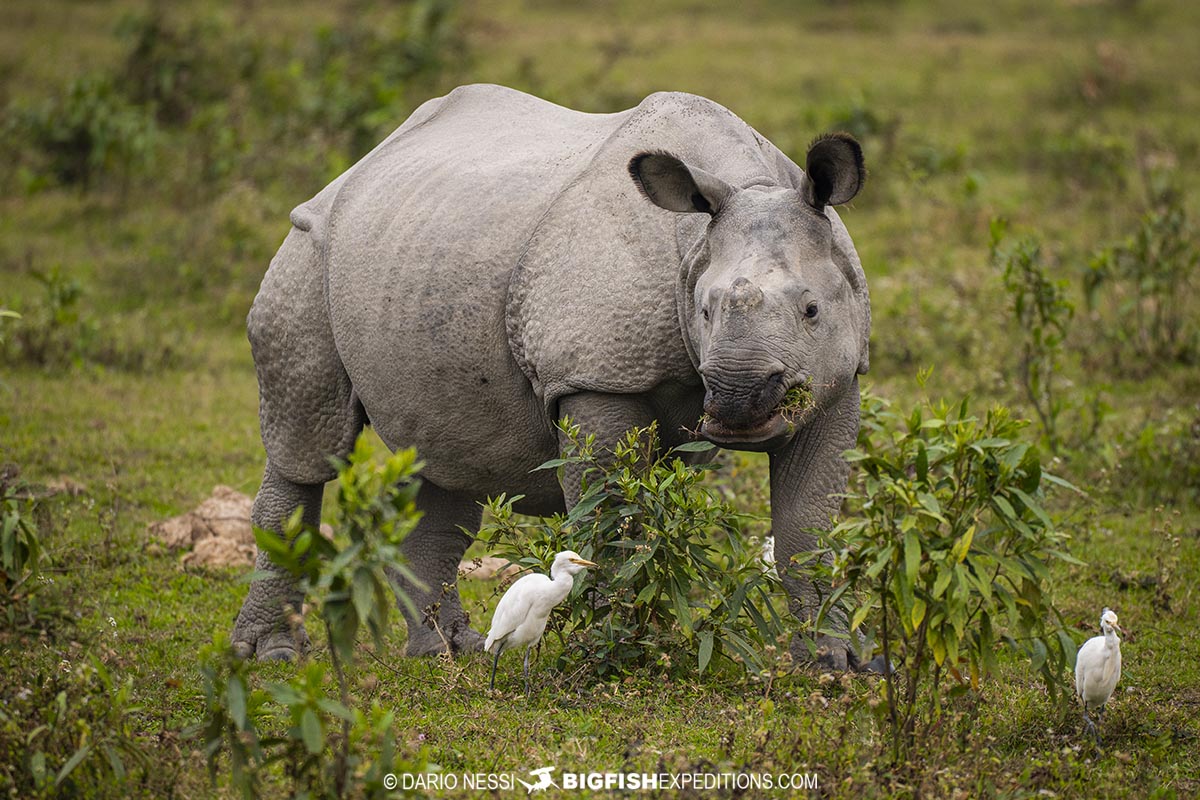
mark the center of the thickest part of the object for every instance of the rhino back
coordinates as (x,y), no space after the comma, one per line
(421,240)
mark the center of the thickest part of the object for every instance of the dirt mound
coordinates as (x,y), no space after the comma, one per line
(218,533)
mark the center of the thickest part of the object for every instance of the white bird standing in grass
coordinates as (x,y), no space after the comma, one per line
(522,612)
(1098,668)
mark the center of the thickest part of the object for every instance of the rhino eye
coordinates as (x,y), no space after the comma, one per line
(704,313)
(811,311)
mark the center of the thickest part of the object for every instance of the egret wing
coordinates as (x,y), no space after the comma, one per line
(512,609)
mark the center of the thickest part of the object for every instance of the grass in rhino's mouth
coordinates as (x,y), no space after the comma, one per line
(795,402)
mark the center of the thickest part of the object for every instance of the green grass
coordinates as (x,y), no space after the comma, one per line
(1043,113)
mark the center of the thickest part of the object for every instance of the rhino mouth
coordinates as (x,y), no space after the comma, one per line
(769,429)
(792,411)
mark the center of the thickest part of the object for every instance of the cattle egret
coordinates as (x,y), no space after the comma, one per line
(1098,668)
(522,612)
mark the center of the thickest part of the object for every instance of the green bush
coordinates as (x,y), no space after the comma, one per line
(178,70)
(943,552)
(350,83)
(90,131)
(1146,283)
(1159,463)
(328,746)
(72,734)
(55,332)
(21,554)
(1043,313)
(674,577)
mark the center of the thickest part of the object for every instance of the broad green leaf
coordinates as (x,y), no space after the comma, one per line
(859,615)
(962,546)
(930,504)
(918,612)
(683,614)
(331,706)
(942,581)
(706,649)
(72,763)
(1038,656)
(885,556)
(939,647)
(310,730)
(363,593)
(912,556)
(235,698)
(693,447)
(554,463)
(1035,507)
(115,762)
(1005,507)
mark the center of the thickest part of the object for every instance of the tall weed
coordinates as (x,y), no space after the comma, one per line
(1143,287)
(329,745)
(675,581)
(945,552)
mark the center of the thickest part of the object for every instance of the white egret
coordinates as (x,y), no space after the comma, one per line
(522,612)
(1098,668)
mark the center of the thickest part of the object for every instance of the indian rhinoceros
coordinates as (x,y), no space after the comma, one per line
(500,262)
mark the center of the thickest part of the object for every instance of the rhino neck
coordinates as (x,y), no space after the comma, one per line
(693,251)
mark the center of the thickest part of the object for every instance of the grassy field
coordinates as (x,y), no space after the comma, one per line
(137,219)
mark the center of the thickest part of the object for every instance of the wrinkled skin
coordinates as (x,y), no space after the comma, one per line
(500,262)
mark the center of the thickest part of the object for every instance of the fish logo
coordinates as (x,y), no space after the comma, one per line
(544,781)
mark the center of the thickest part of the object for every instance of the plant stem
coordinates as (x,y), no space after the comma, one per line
(343,755)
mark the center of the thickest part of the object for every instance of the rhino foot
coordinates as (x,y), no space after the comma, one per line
(276,640)
(832,654)
(426,641)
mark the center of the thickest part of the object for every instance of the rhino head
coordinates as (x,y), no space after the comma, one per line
(773,303)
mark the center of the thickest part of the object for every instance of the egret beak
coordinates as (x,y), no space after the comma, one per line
(583,562)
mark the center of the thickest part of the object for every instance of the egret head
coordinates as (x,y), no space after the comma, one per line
(570,563)
(1108,622)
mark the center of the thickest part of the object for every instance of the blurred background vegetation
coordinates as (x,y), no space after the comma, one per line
(1027,229)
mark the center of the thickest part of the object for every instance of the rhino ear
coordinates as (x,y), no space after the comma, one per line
(671,184)
(833,170)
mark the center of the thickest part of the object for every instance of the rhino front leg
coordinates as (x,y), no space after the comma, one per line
(264,625)
(433,551)
(608,417)
(807,474)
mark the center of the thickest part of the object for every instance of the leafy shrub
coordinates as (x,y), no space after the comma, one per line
(376,504)
(673,578)
(1085,157)
(176,71)
(329,747)
(350,83)
(1043,314)
(20,553)
(72,734)
(89,131)
(1160,463)
(55,332)
(944,551)
(1149,282)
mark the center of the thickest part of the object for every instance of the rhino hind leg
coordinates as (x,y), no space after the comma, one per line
(308,412)
(268,625)
(433,552)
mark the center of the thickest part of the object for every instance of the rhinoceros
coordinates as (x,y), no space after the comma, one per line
(500,262)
